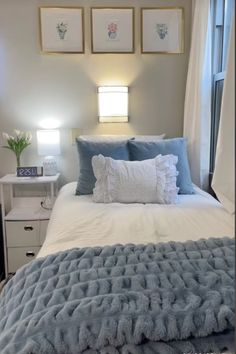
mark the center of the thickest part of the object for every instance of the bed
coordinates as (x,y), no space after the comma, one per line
(95,224)
(87,293)
(78,224)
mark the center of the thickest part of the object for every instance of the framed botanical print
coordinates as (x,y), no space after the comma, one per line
(61,29)
(112,30)
(162,30)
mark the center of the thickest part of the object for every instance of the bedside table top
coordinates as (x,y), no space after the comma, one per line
(13,179)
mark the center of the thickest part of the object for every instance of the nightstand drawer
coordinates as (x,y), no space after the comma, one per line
(18,256)
(22,233)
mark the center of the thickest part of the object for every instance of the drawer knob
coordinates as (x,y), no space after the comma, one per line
(28,228)
(30,254)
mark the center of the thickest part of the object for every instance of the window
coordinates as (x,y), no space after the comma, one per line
(222,18)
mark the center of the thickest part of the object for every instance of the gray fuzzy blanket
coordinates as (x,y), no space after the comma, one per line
(165,298)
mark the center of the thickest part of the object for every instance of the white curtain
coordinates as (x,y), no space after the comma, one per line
(197,110)
(223,181)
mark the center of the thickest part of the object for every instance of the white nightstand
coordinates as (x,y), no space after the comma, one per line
(25,225)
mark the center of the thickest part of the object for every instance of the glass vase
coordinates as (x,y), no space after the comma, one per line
(17,160)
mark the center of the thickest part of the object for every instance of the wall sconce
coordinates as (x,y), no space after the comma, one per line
(49,145)
(113,104)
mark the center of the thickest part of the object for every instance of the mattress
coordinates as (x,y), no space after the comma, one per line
(77,221)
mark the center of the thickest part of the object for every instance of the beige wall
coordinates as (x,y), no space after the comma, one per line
(34,86)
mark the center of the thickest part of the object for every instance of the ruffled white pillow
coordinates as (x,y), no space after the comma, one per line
(147,181)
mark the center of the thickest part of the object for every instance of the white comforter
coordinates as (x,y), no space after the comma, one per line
(77,221)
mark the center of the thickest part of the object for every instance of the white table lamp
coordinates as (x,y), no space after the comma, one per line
(49,146)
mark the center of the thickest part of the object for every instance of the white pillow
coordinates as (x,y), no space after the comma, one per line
(147,181)
(149,137)
(108,138)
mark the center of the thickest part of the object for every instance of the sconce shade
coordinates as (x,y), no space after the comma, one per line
(113,104)
(48,142)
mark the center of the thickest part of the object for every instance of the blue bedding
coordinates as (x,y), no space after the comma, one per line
(166,298)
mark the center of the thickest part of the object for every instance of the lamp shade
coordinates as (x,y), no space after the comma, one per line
(113,104)
(48,142)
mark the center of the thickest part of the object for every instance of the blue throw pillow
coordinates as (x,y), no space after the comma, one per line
(118,150)
(178,146)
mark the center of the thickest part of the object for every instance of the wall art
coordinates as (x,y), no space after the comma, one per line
(162,30)
(112,30)
(61,29)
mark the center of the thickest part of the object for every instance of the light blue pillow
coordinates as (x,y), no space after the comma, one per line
(178,146)
(118,150)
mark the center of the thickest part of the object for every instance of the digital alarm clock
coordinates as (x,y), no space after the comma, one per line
(31,171)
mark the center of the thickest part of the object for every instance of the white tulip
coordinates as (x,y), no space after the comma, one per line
(28,136)
(5,136)
(17,132)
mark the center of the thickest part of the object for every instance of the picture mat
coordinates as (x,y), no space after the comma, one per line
(73,41)
(124,39)
(172,41)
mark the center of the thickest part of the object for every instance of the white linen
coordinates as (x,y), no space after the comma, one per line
(149,137)
(77,221)
(223,181)
(111,138)
(197,109)
(147,181)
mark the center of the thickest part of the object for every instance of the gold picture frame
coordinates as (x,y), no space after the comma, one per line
(112,30)
(61,29)
(162,30)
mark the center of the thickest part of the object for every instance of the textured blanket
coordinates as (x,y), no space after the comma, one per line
(166,298)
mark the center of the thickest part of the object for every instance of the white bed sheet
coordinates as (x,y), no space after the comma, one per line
(77,221)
